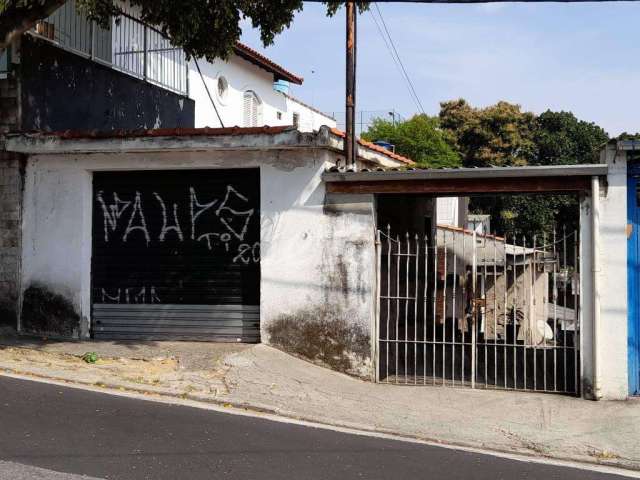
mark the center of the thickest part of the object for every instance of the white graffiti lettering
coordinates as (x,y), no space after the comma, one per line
(142,226)
(168,228)
(203,207)
(248,253)
(111,213)
(140,297)
(154,296)
(229,220)
(106,298)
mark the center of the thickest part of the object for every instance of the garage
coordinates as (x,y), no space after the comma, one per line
(176,255)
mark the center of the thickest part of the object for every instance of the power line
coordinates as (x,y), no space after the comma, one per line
(395,61)
(384,24)
(208,92)
(485,1)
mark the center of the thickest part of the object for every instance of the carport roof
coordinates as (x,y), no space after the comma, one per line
(528,179)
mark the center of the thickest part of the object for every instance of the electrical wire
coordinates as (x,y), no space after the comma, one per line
(395,60)
(404,70)
(208,92)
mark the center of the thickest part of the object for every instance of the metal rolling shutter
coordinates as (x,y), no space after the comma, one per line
(176,255)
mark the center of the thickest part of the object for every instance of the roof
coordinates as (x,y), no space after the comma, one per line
(192,139)
(314,109)
(627,144)
(376,148)
(466,181)
(255,57)
(583,170)
(158,132)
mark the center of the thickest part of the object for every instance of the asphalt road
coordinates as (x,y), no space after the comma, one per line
(105,436)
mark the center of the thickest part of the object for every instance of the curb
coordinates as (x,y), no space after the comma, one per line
(624,466)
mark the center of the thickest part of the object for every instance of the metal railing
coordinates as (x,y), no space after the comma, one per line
(480,311)
(127,45)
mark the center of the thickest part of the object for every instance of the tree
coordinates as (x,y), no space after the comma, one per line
(562,139)
(202,28)
(419,138)
(499,135)
(503,135)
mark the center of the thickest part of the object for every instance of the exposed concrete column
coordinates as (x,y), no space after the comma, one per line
(611,276)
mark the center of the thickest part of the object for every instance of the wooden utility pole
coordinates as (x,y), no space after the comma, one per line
(350,142)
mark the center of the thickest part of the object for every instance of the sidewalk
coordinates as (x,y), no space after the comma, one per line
(262,378)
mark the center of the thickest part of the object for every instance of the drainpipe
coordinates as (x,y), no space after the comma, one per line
(595,265)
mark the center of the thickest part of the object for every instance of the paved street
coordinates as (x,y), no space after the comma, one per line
(104,436)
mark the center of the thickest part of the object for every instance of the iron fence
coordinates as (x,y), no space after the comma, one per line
(482,311)
(127,45)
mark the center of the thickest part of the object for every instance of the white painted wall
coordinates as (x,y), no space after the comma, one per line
(241,76)
(310,120)
(612,274)
(311,259)
(447,211)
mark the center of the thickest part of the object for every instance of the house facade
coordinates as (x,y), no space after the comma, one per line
(74,74)
(265,236)
(207,234)
(70,74)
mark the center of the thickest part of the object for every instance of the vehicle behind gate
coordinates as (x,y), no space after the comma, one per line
(176,255)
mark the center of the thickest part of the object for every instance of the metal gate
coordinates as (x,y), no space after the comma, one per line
(478,310)
(176,255)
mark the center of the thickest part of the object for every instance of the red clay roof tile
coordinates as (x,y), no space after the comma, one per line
(251,55)
(167,132)
(377,148)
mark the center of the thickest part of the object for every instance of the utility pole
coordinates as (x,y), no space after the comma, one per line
(350,143)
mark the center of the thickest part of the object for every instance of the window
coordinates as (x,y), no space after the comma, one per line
(223,87)
(279,115)
(296,120)
(252,109)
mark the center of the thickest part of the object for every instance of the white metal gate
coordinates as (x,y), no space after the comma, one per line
(468,309)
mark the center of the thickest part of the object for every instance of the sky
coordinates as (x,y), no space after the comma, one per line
(578,57)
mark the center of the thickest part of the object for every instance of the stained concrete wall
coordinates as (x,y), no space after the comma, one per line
(317,259)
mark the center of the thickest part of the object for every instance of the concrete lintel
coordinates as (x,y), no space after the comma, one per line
(470,173)
(291,139)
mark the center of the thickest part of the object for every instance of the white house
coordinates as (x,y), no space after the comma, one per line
(249,90)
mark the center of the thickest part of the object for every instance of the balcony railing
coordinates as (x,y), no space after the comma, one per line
(128,45)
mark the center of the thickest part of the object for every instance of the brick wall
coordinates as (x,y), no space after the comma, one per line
(10,206)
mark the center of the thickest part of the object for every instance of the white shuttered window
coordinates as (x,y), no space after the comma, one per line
(251,109)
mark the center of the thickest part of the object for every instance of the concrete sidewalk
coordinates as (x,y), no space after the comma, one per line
(262,378)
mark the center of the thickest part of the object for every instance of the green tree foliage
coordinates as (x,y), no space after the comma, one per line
(503,135)
(203,28)
(562,139)
(499,135)
(419,138)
